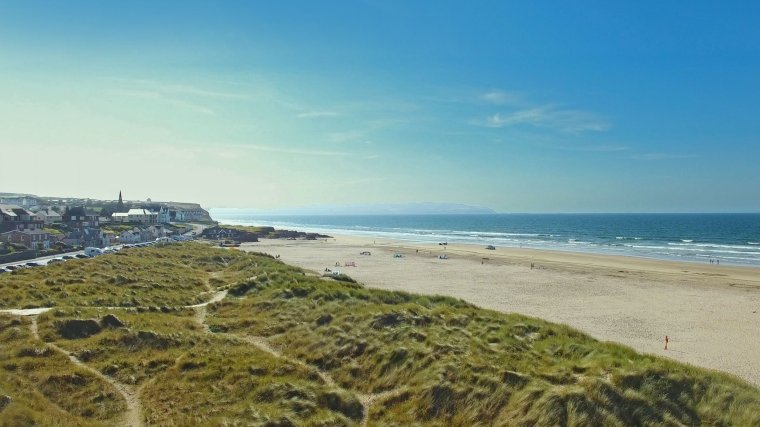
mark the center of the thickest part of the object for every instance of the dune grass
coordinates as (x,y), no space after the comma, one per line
(167,276)
(419,360)
(455,364)
(45,387)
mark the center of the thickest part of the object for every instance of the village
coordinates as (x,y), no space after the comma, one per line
(33,226)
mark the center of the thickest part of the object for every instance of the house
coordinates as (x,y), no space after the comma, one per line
(142,216)
(120,217)
(48,216)
(164,215)
(109,239)
(77,216)
(32,239)
(130,236)
(85,236)
(21,200)
(14,217)
(180,212)
(153,233)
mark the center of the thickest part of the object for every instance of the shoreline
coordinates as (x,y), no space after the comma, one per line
(701,252)
(710,313)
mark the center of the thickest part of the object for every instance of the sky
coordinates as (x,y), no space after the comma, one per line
(538,106)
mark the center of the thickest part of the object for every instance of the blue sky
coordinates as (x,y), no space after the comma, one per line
(521,107)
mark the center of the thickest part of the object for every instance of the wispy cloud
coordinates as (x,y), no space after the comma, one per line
(498,97)
(662,156)
(160,97)
(548,116)
(318,114)
(599,148)
(345,136)
(297,151)
(178,89)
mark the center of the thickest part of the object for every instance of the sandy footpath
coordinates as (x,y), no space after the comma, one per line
(710,313)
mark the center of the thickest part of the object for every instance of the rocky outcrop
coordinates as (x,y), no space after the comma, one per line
(5,400)
(229,233)
(78,328)
(111,321)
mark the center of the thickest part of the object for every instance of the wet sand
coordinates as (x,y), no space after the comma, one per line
(710,313)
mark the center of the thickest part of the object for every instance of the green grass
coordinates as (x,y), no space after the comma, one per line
(456,364)
(426,360)
(117,228)
(167,276)
(249,228)
(45,387)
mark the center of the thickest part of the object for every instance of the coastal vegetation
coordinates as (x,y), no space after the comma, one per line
(282,346)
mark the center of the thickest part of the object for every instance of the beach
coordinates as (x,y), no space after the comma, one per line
(710,313)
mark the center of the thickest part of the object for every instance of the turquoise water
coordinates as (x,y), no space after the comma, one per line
(730,238)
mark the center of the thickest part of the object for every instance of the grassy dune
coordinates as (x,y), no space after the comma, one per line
(286,347)
(45,387)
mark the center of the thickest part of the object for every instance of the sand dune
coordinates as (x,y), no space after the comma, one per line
(710,313)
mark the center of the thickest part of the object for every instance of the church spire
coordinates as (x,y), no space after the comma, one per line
(120,205)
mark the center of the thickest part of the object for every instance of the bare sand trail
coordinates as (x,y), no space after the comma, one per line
(710,313)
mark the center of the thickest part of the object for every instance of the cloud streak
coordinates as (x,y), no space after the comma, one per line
(296,151)
(662,156)
(548,116)
(498,97)
(318,114)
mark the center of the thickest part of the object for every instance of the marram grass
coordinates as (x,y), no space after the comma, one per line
(286,347)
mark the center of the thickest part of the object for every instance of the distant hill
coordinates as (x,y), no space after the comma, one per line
(423,208)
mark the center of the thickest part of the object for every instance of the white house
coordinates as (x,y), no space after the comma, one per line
(163,215)
(130,236)
(120,217)
(143,216)
(48,216)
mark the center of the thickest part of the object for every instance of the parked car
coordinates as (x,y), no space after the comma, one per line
(2,270)
(55,261)
(81,256)
(68,257)
(11,267)
(92,252)
(32,264)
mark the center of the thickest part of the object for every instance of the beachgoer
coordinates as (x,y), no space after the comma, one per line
(666,342)
(531,266)
(718,261)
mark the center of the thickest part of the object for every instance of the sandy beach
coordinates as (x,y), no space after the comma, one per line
(710,313)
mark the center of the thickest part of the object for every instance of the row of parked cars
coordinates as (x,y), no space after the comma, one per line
(31,264)
(89,253)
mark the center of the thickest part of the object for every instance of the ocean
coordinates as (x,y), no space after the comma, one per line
(730,238)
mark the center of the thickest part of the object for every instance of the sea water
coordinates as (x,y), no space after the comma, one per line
(730,238)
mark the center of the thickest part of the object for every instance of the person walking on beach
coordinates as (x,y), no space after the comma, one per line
(666,342)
